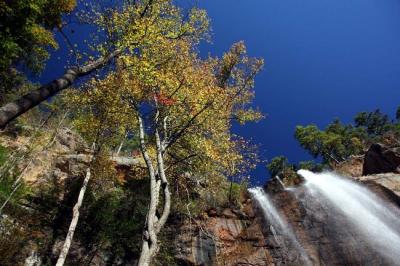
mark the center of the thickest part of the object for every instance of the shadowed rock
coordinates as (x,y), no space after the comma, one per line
(381,159)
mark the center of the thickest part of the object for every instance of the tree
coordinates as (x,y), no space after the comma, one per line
(277,165)
(100,118)
(191,118)
(158,91)
(14,109)
(311,166)
(310,139)
(25,31)
(26,37)
(376,123)
(334,144)
(74,221)
(173,102)
(339,141)
(127,29)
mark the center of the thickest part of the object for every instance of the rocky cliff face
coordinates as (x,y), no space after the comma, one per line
(324,233)
(244,237)
(223,237)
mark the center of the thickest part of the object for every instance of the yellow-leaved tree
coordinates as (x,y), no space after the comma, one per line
(181,109)
(178,106)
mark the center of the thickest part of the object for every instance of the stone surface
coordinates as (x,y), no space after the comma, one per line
(351,167)
(228,213)
(194,247)
(223,239)
(68,140)
(325,234)
(381,159)
(389,181)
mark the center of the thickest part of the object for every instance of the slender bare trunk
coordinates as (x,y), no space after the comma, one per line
(12,110)
(9,198)
(121,145)
(149,244)
(75,217)
(333,158)
(164,182)
(119,148)
(158,181)
(74,221)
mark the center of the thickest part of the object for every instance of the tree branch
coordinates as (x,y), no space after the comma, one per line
(178,134)
(18,107)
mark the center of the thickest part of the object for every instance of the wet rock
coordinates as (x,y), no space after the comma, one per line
(195,249)
(254,232)
(259,257)
(225,229)
(386,185)
(326,234)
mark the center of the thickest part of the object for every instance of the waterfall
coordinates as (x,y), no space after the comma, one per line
(278,226)
(376,221)
(269,210)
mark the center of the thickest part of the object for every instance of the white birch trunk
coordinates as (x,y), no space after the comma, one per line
(75,218)
(157,181)
(149,245)
(164,185)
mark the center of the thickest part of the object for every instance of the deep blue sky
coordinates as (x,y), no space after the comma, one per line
(324,59)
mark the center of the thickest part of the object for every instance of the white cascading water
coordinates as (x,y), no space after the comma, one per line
(277,224)
(268,208)
(374,219)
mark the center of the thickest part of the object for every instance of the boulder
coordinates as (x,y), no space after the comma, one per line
(381,159)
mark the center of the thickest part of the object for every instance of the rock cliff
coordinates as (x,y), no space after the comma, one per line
(223,237)
(324,233)
(244,237)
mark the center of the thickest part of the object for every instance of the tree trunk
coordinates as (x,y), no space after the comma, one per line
(18,107)
(119,148)
(149,244)
(164,182)
(74,221)
(121,144)
(157,181)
